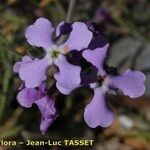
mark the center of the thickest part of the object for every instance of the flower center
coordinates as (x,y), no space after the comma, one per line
(100,80)
(55,53)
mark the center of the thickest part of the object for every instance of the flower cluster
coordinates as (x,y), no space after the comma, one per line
(84,44)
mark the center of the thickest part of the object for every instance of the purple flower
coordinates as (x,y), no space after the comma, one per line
(46,104)
(131,83)
(101,14)
(40,34)
(86,47)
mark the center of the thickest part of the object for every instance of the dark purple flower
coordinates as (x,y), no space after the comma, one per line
(46,104)
(101,14)
(33,73)
(131,83)
(98,39)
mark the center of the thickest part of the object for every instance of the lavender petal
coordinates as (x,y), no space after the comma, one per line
(97,113)
(26,97)
(79,38)
(97,57)
(40,33)
(34,73)
(47,108)
(131,83)
(68,78)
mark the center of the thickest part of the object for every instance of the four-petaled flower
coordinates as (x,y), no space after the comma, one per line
(40,34)
(88,45)
(46,104)
(131,83)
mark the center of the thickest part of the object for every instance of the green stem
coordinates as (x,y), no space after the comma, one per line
(70,10)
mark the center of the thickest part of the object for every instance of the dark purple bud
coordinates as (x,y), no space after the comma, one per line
(101,14)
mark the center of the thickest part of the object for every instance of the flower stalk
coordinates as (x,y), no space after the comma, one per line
(68,19)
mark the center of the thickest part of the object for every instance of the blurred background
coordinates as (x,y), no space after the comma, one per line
(126,24)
